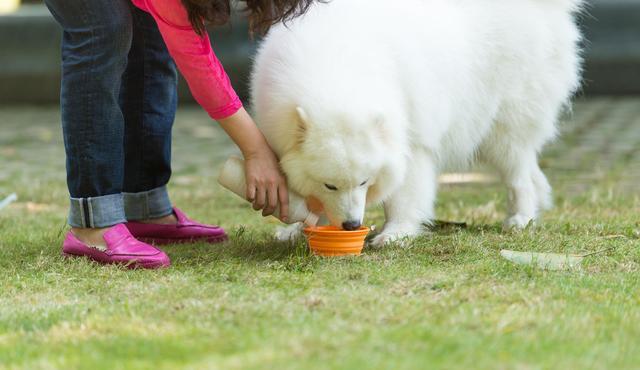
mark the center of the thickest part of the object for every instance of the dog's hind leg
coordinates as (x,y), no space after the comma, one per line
(528,190)
(412,204)
(543,189)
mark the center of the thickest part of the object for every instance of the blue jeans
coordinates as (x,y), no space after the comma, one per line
(118,103)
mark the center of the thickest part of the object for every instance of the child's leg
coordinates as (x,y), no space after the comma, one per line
(148,99)
(96,41)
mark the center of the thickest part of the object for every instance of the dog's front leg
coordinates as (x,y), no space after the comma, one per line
(412,204)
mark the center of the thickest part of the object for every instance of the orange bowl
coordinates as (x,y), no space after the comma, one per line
(331,241)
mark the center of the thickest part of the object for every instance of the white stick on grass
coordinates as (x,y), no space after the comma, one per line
(8,200)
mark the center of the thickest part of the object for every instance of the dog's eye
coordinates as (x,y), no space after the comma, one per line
(331,187)
(364,183)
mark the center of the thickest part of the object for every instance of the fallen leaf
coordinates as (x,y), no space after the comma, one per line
(8,200)
(545,261)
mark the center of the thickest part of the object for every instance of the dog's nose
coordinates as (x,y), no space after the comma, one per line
(351,225)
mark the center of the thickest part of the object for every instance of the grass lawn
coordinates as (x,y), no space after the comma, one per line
(447,301)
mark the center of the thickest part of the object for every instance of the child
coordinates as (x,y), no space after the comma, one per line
(118,103)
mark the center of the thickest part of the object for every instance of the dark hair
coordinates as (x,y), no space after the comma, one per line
(262,13)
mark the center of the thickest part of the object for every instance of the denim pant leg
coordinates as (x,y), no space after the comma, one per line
(96,40)
(148,99)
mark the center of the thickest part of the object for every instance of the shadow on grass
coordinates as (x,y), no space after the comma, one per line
(245,246)
(444,228)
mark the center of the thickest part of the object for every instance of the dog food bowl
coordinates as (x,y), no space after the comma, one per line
(331,241)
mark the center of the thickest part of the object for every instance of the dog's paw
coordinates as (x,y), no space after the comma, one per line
(517,222)
(396,234)
(289,232)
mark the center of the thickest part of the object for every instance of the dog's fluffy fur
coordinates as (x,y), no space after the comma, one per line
(375,97)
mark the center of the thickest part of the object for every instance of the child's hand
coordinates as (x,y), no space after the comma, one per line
(266,185)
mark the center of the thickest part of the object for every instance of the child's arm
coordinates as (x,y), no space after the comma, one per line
(266,186)
(207,79)
(210,86)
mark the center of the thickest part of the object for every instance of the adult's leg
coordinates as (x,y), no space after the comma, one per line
(96,41)
(148,99)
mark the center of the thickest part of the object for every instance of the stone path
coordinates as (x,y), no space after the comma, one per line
(599,141)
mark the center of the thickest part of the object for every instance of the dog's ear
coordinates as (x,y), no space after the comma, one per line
(303,123)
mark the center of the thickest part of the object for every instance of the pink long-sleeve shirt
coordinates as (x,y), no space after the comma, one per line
(194,57)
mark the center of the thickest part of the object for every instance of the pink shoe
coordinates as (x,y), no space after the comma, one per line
(185,231)
(122,248)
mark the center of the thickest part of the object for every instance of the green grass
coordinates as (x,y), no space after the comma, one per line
(447,301)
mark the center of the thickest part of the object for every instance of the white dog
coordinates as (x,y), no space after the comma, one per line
(369,100)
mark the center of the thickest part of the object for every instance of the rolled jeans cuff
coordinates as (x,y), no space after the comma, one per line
(154,203)
(103,211)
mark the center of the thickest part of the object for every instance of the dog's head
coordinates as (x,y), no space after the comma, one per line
(343,161)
